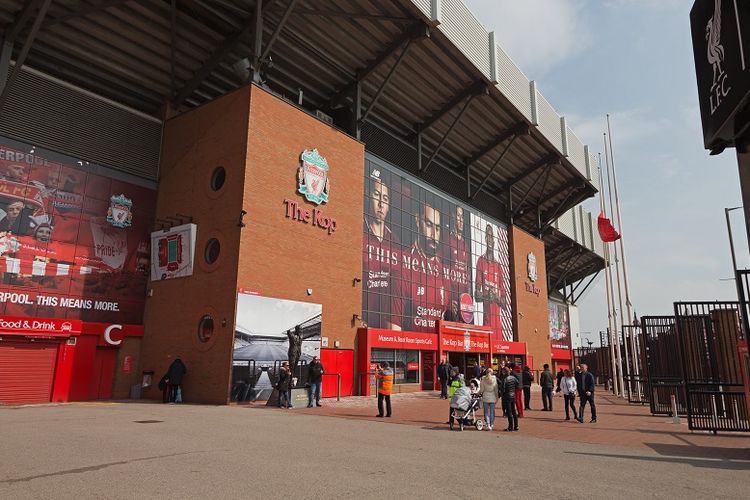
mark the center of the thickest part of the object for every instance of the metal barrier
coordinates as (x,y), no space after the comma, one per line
(717,407)
(661,390)
(338,384)
(637,386)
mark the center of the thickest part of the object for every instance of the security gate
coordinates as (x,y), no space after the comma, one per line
(662,368)
(708,335)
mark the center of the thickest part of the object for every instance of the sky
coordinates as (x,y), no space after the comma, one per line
(633,59)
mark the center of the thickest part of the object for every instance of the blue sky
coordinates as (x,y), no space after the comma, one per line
(633,59)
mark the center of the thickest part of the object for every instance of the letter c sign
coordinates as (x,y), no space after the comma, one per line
(108,333)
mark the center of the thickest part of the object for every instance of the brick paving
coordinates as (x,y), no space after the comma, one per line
(619,424)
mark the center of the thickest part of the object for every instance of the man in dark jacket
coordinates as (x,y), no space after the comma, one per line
(548,384)
(176,371)
(507,389)
(526,380)
(586,391)
(315,378)
(560,376)
(444,376)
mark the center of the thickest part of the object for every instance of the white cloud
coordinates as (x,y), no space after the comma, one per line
(537,34)
(628,127)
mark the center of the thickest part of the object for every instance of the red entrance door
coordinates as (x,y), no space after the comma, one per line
(103,373)
(341,362)
(26,371)
(428,370)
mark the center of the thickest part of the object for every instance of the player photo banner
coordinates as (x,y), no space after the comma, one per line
(559,326)
(172,252)
(421,250)
(61,254)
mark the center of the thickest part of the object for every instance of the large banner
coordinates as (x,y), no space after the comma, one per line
(559,326)
(427,258)
(74,243)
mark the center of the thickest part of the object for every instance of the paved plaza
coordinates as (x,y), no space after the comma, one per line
(146,450)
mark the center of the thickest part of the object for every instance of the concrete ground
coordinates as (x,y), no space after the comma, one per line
(144,450)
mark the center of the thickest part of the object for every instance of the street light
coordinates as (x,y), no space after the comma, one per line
(731,248)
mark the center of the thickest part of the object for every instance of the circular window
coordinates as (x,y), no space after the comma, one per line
(205,328)
(213,248)
(218,178)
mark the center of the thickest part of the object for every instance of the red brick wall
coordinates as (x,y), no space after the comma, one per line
(281,257)
(530,310)
(194,144)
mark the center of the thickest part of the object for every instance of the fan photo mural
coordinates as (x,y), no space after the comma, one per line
(74,243)
(421,256)
(268,332)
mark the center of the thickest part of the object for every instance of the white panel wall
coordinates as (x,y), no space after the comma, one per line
(467,33)
(513,83)
(576,153)
(423,5)
(549,122)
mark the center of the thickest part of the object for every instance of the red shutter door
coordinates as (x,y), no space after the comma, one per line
(26,371)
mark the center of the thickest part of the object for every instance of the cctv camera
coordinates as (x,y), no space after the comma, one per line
(241,68)
(309,291)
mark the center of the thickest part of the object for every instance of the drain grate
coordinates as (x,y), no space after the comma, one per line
(148,421)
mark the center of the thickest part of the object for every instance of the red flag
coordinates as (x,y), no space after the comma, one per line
(607,231)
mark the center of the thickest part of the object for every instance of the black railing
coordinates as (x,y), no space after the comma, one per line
(717,407)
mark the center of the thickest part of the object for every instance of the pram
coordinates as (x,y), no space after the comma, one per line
(465,406)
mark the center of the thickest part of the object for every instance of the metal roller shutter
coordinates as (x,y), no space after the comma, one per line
(26,371)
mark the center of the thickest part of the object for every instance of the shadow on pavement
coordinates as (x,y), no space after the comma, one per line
(679,450)
(704,463)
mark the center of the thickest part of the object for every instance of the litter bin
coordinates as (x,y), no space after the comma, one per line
(135,391)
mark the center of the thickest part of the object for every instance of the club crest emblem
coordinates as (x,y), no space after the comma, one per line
(531,266)
(312,177)
(119,212)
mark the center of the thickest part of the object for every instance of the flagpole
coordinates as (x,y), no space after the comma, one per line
(628,303)
(619,287)
(611,327)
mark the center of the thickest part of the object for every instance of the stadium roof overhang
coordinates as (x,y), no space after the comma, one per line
(382,64)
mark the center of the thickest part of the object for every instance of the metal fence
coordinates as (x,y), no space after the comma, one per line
(708,333)
(662,367)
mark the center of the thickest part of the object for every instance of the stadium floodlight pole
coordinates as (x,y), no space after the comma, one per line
(611,327)
(628,303)
(618,347)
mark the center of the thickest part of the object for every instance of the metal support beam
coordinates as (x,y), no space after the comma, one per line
(14,29)
(562,256)
(357,115)
(494,166)
(386,81)
(448,132)
(21,58)
(6,51)
(417,30)
(419,148)
(172,48)
(277,31)
(258,40)
(476,88)
(593,278)
(221,51)
(528,191)
(570,265)
(529,170)
(520,128)
(81,12)
(352,15)
(547,219)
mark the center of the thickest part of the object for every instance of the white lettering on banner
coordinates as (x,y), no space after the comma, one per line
(16,298)
(108,333)
(404,340)
(52,301)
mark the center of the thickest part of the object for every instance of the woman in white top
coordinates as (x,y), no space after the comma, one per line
(569,389)
(488,389)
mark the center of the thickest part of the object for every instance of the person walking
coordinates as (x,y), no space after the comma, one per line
(285,385)
(384,375)
(315,378)
(488,389)
(508,388)
(444,376)
(455,383)
(519,389)
(527,378)
(569,387)
(177,370)
(560,375)
(548,383)
(586,391)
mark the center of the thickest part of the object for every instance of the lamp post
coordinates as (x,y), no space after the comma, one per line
(731,248)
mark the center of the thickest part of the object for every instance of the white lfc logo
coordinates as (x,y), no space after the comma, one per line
(531,266)
(312,177)
(715,57)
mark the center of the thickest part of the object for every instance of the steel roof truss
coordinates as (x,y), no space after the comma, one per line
(14,29)
(528,191)
(84,10)
(387,80)
(552,158)
(571,264)
(573,298)
(21,58)
(494,166)
(277,31)
(352,15)
(519,129)
(440,145)
(475,88)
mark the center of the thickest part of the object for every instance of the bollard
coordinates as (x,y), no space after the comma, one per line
(675,416)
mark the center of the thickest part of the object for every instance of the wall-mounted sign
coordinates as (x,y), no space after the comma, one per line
(312,177)
(531,266)
(316,217)
(172,252)
(119,213)
(13,325)
(127,364)
(722,65)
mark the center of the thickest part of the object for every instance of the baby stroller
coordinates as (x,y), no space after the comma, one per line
(465,406)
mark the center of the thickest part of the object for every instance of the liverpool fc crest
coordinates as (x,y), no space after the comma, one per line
(119,212)
(531,266)
(312,177)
